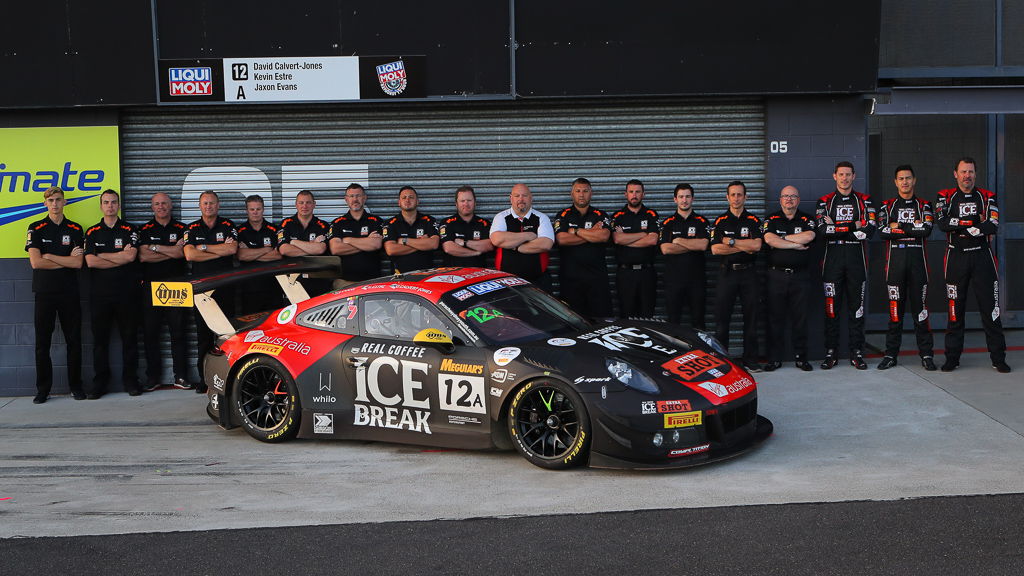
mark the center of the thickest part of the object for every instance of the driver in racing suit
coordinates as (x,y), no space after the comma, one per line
(905,222)
(846,219)
(969,215)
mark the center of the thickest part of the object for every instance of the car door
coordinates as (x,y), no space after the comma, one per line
(404,390)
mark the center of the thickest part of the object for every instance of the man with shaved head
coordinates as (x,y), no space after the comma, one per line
(161,251)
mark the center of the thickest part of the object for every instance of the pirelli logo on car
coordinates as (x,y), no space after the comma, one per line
(682,419)
(176,294)
(265,349)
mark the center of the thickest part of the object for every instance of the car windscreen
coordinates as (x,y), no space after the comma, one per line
(514,314)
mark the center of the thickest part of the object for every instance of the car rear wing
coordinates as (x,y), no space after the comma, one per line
(187,292)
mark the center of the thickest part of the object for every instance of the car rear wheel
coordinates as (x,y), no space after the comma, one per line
(549,425)
(266,400)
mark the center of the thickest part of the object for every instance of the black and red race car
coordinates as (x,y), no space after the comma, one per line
(475,358)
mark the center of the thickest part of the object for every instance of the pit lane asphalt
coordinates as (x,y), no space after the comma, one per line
(155,464)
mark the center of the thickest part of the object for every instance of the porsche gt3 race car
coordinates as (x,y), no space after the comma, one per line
(476,359)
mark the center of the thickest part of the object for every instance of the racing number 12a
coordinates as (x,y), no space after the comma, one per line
(461,393)
(481,314)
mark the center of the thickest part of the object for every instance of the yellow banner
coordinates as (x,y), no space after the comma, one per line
(83,160)
(176,294)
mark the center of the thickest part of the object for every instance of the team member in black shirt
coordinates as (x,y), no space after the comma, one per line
(356,237)
(211,243)
(905,222)
(257,242)
(635,233)
(111,248)
(582,232)
(465,236)
(410,238)
(523,238)
(736,237)
(162,253)
(789,234)
(684,240)
(303,234)
(55,252)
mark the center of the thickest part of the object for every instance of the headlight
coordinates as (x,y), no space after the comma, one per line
(713,342)
(630,376)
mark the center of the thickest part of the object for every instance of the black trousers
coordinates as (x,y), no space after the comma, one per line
(154,318)
(589,295)
(906,281)
(976,268)
(205,339)
(105,312)
(48,308)
(844,275)
(686,289)
(636,290)
(740,284)
(788,294)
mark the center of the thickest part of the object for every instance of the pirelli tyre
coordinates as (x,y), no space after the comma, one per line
(266,401)
(549,425)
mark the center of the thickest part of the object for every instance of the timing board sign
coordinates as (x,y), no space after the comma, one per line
(291,79)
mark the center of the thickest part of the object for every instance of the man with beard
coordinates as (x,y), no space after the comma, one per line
(635,233)
(523,238)
(303,234)
(257,242)
(685,236)
(582,232)
(410,238)
(356,237)
(465,237)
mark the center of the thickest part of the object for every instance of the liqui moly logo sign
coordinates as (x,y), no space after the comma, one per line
(192,81)
(392,77)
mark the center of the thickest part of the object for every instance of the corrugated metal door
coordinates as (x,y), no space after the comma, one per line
(276,151)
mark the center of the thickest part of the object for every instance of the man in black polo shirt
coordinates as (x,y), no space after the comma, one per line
(788,234)
(523,238)
(410,238)
(55,252)
(162,253)
(736,237)
(635,232)
(257,242)
(465,236)
(211,243)
(684,240)
(582,232)
(356,237)
(303,234)
(111,248)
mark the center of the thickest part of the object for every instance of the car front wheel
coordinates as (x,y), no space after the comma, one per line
(549,425)
(266,400)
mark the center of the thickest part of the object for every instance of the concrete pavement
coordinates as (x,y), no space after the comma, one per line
(155,463)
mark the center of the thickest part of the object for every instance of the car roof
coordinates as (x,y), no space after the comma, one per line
(430,284)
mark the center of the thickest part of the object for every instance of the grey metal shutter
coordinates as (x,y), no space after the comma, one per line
(437,147)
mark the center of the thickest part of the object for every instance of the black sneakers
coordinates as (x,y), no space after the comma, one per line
(886,363)
(1001,367)
(182,384)
(928,363)
(772,366)
(39,399)
(950,365)
(830,360)
(857,361)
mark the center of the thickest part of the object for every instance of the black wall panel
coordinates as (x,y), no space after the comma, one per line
(574,47)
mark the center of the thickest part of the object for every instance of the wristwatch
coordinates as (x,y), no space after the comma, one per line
(202,247)
(405,241)
(732,241)
(153,247)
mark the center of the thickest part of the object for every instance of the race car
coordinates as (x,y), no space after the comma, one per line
(476,359)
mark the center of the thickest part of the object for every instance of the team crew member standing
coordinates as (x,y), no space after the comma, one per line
(788,234)
(162,253)
(465,236)
(736,237)
(846,219)
(635,232)
(356,237)
(904,222)
(410,238)
(582,232)
(257,242)
(303,234)
(210,245)
(523,237)
(55,252)
(970,216)
(111,247)
(684,240)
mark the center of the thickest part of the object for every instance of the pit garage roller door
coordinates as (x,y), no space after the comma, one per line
(276,151)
